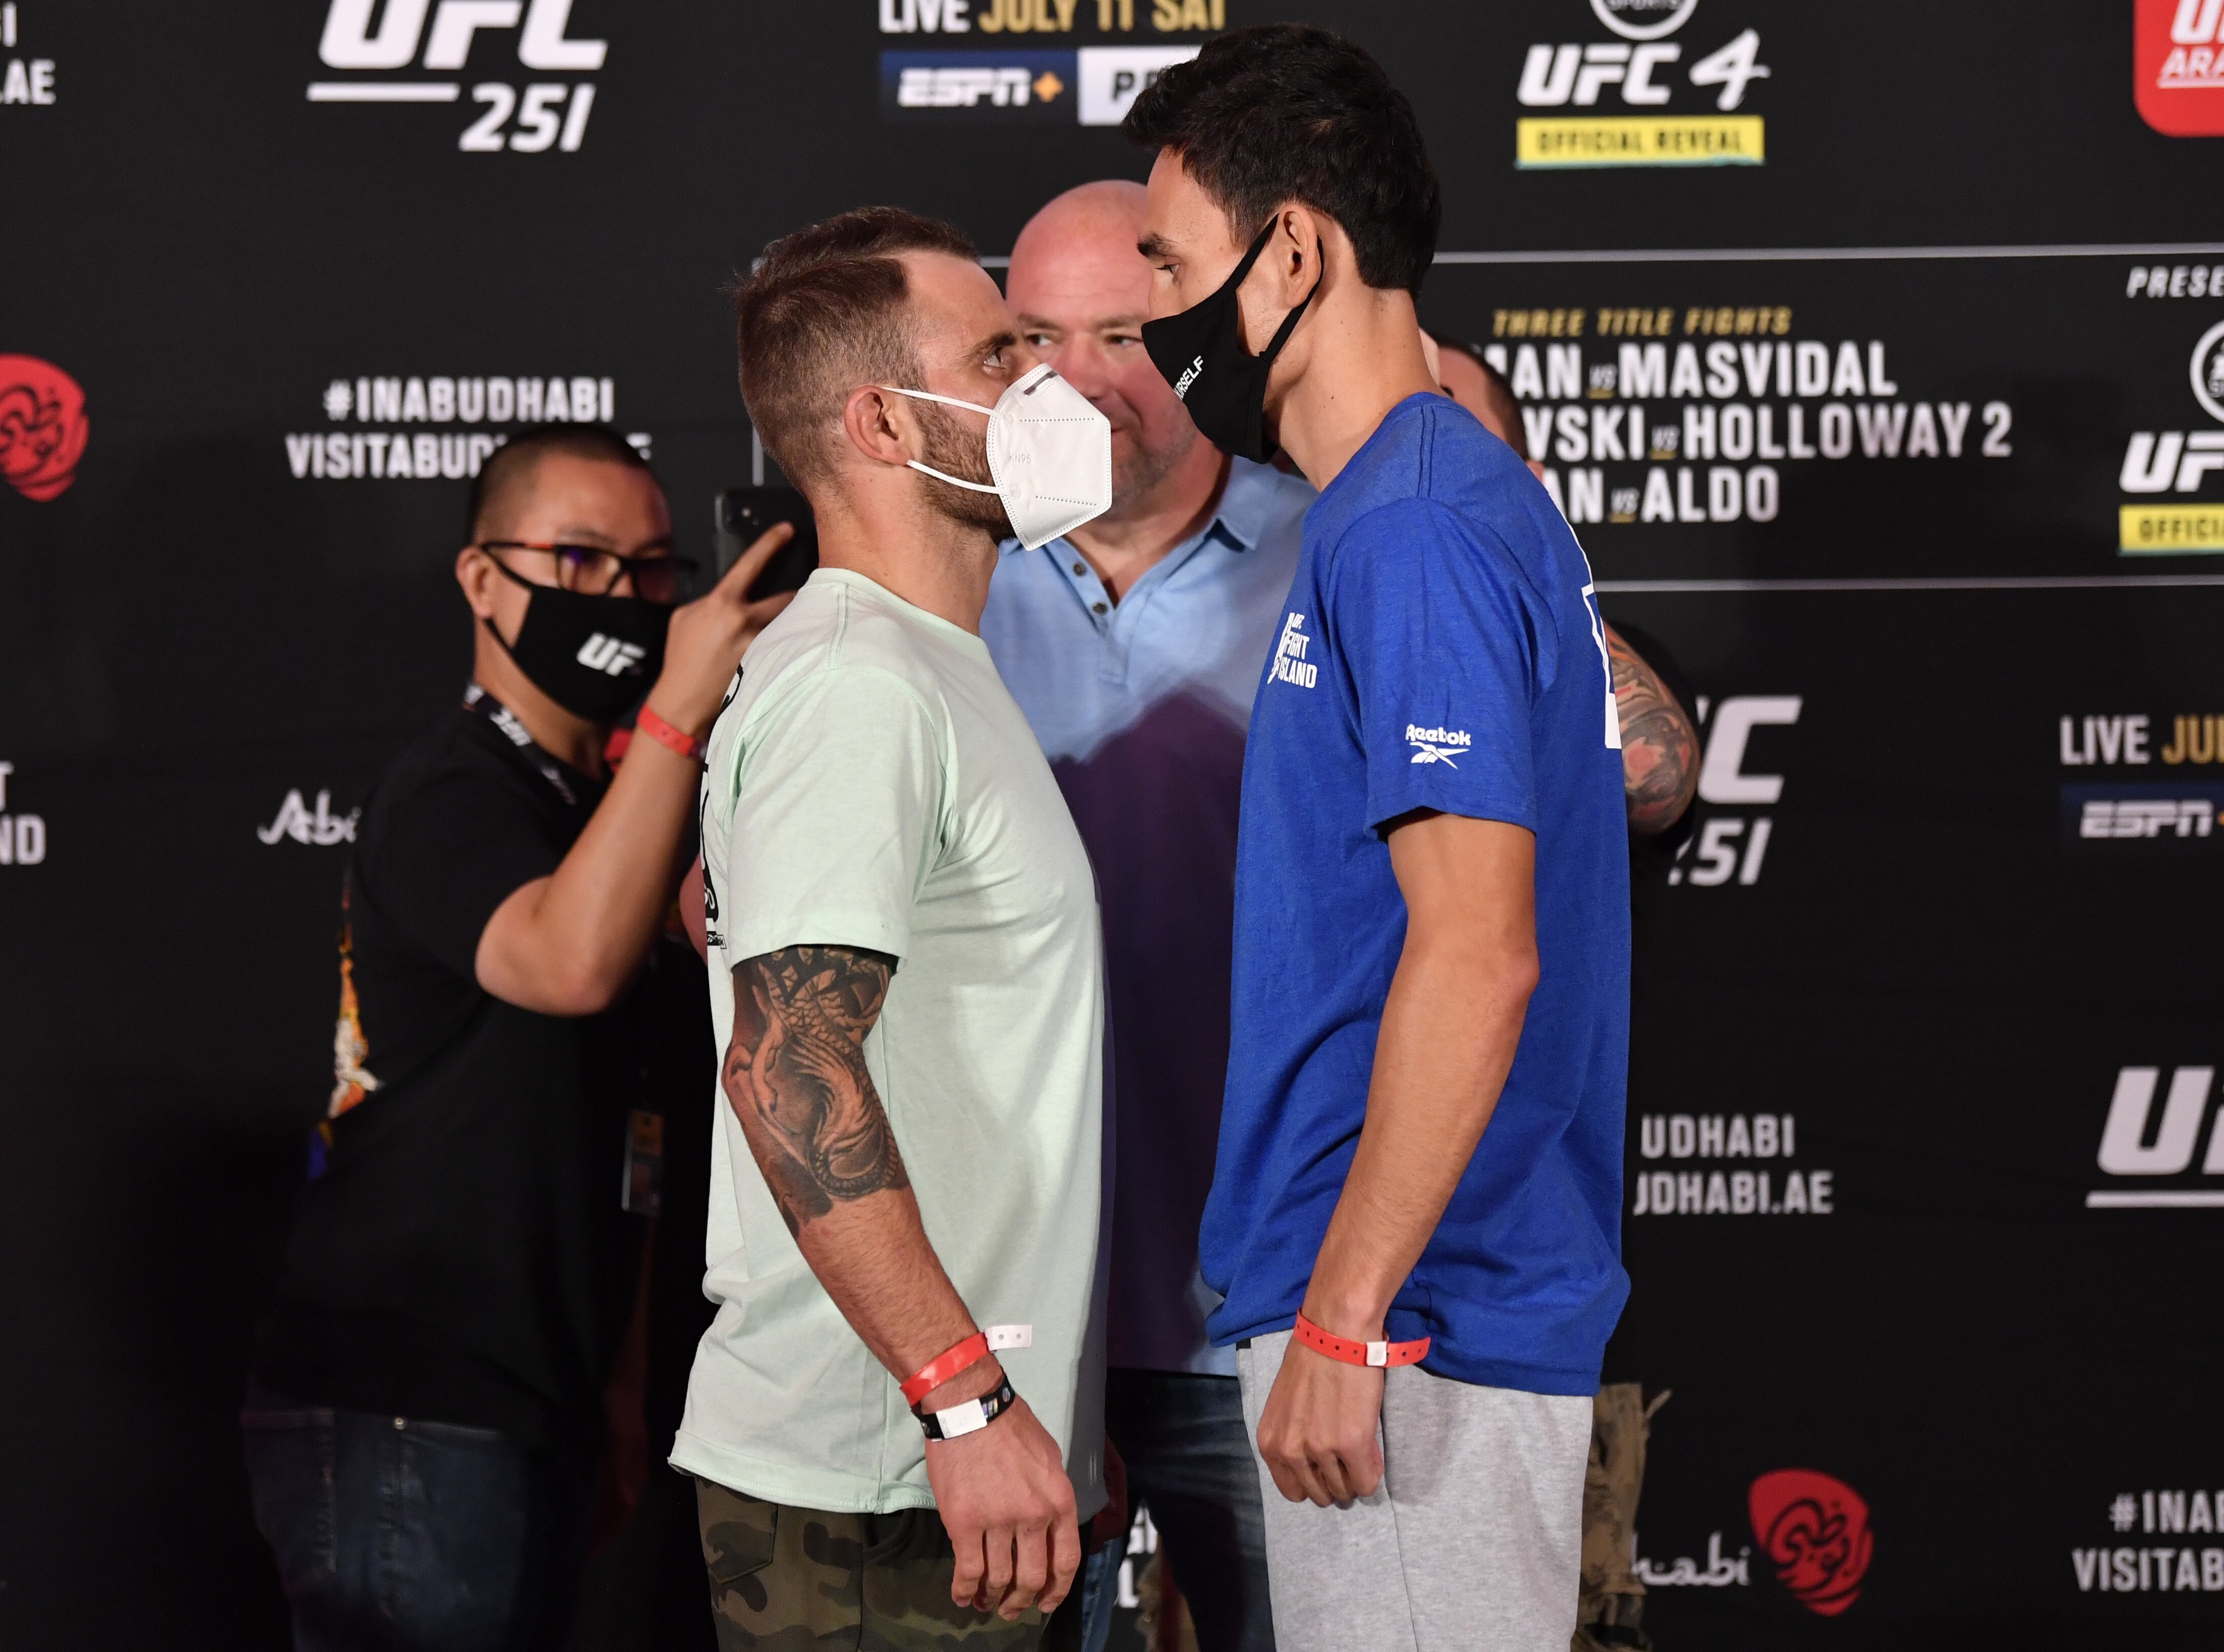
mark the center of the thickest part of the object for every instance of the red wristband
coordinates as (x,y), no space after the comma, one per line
(665,734)
(975,1349)
(1360,1353)
(944,1366)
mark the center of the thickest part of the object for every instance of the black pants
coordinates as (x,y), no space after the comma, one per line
(394,1535)
(1188,1457)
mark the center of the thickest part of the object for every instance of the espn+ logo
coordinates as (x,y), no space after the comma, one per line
(547,115)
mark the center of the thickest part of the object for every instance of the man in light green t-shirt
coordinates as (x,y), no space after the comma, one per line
(903,934)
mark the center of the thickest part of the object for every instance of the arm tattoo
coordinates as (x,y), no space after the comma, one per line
(795,1076)
(1659,748)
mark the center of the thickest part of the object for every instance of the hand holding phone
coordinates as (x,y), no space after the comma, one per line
(741,514)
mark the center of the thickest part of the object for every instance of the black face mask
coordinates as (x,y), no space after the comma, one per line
(1222,385)
(593,655)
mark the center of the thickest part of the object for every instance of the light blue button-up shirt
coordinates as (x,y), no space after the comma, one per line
(1141,707)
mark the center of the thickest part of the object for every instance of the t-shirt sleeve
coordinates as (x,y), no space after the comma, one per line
(1433,621)
(454,850)
(836,816)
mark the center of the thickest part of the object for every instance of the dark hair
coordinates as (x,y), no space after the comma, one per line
(1291,112)
(823,312)
(509,468)
(1508,405)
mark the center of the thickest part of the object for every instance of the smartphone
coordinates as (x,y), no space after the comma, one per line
(742,514)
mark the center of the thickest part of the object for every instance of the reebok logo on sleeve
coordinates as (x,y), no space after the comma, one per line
(1436,745)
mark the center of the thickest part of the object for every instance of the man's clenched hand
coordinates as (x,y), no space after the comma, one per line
(1008,1505)
(1321,1432)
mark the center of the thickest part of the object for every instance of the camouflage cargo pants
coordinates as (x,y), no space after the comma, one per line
(786,1579)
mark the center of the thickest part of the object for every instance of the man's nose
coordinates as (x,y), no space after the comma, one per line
(1081,364)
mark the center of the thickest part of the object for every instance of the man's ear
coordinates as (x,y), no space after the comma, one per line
(881,426)
(1297,251)
(1289,266)
(475,573)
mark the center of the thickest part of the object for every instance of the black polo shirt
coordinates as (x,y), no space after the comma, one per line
(461,1253)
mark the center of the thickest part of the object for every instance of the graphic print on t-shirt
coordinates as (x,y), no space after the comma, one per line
(1606,659)
(1290,664)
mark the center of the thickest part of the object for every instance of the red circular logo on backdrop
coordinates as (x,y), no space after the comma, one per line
(1816,1531)
(42,426)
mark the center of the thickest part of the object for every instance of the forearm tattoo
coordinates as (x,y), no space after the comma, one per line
(1659,748)
(795,1076)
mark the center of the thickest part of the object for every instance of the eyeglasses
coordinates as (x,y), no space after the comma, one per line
(658,576)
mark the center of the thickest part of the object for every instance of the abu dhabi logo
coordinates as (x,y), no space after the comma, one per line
(319,826)
(43,426)
(550,115)
(1817,1529)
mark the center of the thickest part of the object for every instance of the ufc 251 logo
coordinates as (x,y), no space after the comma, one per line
(548,114)
(2142,1140)
(1733,846)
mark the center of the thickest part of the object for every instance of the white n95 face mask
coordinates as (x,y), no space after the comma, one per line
(1049,449)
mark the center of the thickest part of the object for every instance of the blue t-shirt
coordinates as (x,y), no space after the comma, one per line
(1442,650)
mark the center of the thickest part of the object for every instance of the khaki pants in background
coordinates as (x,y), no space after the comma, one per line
(786,1579)
(1610,1618)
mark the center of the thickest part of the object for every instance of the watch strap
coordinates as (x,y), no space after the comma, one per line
(969,1416)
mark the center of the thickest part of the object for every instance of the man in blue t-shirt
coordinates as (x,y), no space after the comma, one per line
(1431,906)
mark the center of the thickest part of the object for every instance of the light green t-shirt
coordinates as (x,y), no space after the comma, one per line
(872,784)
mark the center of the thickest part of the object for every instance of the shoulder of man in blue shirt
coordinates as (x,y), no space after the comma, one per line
(1428,447)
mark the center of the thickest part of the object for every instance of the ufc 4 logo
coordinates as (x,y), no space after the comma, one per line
(611,657)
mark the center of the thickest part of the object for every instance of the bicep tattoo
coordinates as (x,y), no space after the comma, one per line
(795,1076)
(1659,748)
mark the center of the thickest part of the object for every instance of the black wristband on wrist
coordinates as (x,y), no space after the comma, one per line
(968,1416)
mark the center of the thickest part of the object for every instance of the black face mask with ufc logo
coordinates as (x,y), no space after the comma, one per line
(594,657)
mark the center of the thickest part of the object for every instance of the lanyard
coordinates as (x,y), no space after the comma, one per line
(553,770)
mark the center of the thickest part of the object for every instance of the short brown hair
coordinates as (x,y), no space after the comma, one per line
(821,313)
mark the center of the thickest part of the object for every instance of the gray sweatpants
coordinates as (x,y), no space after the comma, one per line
(1472,1543)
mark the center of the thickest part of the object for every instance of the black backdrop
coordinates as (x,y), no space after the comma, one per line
(1948,924)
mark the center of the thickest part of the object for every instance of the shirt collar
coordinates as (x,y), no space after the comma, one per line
(1245,505)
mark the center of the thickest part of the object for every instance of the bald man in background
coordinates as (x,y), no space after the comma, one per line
(1134,647)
